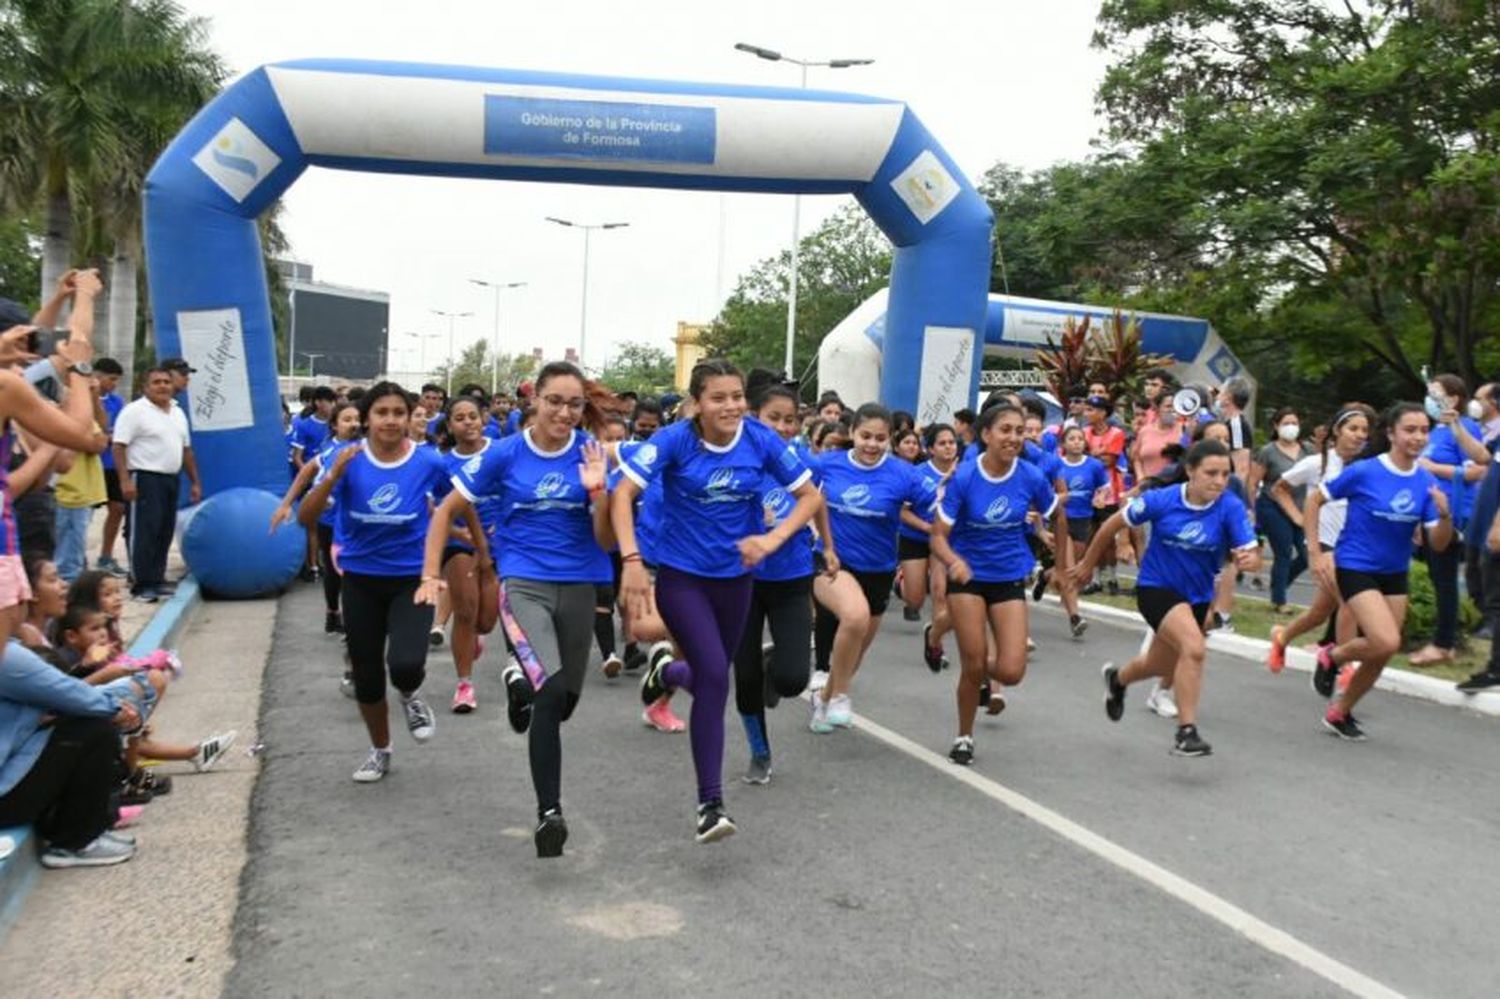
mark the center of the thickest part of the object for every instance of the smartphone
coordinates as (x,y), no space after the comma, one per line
(44,343)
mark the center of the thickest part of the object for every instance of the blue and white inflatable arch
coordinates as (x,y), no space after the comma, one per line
(250,144)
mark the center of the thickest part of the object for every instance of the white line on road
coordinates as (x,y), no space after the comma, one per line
(1258,930)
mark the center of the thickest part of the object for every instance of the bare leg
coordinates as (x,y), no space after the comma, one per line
(843,598)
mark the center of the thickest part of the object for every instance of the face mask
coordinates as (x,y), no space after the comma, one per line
(1289,431)
(1434,407)
(1475,409)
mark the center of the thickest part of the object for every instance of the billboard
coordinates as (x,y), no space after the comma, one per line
(344,327)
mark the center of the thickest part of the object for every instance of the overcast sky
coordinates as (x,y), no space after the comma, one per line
(992,81)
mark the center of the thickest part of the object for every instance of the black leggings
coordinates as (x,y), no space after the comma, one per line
(67,790)
(787,605)
(604,619)
(377,608)
(332,581)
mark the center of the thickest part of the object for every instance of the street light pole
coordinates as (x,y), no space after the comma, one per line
(497,287)
(583,311)
(312,365)
(771,55)
(451,317)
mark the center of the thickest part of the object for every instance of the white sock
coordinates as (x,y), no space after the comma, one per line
(386,750)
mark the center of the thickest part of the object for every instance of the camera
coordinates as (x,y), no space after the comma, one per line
(44,343)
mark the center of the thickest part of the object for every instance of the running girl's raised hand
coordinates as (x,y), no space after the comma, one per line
(635,588)
(959,571)
(1440,500)
(345,456)
(431,589)
(1325,572)
(593,470)
(755,549)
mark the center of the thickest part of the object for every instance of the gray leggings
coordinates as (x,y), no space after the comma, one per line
(557,622)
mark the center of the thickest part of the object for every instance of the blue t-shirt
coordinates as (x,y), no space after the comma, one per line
(1083,480)
(545,529)
(1188,542)
(383,512)
(323,461)
(1385,507)
(794,559)
(487,508)
(987,518)
(494,429)
(1442,448)
(864,506)
(647,506)
(112,405)
(513,422)
(928,471)
(1486,502)
(712,494)
(310,435)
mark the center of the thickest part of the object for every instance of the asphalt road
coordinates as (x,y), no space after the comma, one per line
(864,869)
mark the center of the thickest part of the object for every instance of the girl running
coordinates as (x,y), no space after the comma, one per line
(1389,497)
(866,490)
(549,482)
(907,446)
(1192,525)
(980,535)
(918,571)
(712,534)
(781,596)
(1348,433)
(381,489)
(1088,486)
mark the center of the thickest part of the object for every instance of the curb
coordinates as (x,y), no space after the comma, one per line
(20,871)
(1399,681)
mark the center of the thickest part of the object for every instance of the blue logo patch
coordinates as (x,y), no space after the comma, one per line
(386,498)
(857,495)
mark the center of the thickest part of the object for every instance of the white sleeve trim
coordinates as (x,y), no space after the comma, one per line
(459,485)
(1248,546)
(943,516)
(1125,512)
(1053,508)
(801,480)
(632,475)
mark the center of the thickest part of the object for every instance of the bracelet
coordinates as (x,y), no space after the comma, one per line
(632,557)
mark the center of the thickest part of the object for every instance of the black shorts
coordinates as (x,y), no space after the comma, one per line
(451,551)
(112,486)
(993,593)
(1156,602)
(1353,582)
(1081,530)
(1103,513)
(875,585)
(910,550)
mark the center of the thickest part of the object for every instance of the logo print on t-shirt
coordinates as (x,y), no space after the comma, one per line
(1192,533)
(1137,508)
(722,480)
(471,467)
(1403,502)
(550,485)
(645,456)
(856,495)
(386,498)
(998,510)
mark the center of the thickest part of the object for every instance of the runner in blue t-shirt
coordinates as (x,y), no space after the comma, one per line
(549,481)
(1087,482)
(1389,496)
(1057,554)
(919,573)
(383,490)
(713,469)
(981,537)
(866,488)
(1192,525)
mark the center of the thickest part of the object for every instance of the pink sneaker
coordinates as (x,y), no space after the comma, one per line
(128,815)
(1346,673)
(464,700)
(660,716)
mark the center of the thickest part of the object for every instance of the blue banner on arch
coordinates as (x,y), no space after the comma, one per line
(604,130)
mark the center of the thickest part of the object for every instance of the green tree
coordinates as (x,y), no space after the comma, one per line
(474,365)
(640,368)
(20,260)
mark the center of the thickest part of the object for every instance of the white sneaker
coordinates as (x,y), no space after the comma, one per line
(1030,646)
(435,637)
(840,712)
(420,720)
(1161,702)
(375,766)
(102,852)
(819,721)
(817,681)
(211,749)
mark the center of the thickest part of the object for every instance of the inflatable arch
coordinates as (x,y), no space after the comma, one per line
(252,142)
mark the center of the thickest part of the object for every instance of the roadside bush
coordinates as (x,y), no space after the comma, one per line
(1421,611)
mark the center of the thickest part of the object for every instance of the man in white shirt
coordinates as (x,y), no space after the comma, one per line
(152,446)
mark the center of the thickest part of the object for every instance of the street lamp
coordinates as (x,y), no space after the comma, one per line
(422,339)
(312,364)
(771,55)
(583,310)
(497,287)
(451,317)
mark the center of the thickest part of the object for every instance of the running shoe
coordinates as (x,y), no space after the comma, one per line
(102,852)
(931,654)
(346,685)
(374,768)
(1030,645)
(1112,587)
(518,695)
(1114,693)
(464,700)
(551,833)
(660,716)
(156,785)
(1276,657)
(769,694)
(984,694)
(112,567)
(1325,673)
(634,657)
(420,721)
(213,748)
(962,752)
(333,624)
(818,722)
(1189,743)
(1078,625)
(817,681)
(435,636)
(1040,587)
(612,666)
(996,702)
(1479,682)
(1091,589)
(652,684)
(127,815)
(1346,673)
(911,613)
(116,836)
(1343,725)
(759,770)
(714,823)
(1161,701)
(840,712)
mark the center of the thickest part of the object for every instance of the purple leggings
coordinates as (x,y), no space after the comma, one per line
(706,618)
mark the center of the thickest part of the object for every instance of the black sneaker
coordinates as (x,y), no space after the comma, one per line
(1345,727)
(1479,682)
(911,613)
(1114,693)
(1189,743)
(769,694)
(1091,589)
(1039,588)
(1325,672)
(962,752)
(333,624)
(714,823)
(518,696)
(551,833)
(307,574)
(653,687)
(1112,587)
(634,657)
(1078,625)
(984,694)
(932,655)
